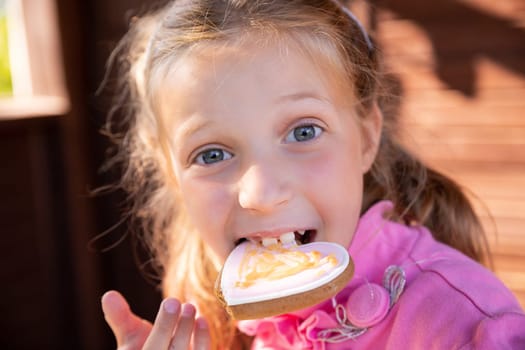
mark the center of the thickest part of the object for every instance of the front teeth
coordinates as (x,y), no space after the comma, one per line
(269,241)
(285,238)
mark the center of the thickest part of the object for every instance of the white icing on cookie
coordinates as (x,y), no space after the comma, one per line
(254,273)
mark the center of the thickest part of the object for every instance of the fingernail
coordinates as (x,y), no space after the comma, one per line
(201,323)
(171,306)
(188,310)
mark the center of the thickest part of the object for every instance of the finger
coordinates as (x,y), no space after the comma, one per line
(182,337)
(164,324)
(123,323)
(201,335)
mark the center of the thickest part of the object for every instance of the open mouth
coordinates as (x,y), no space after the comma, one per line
(307,237)
(300,237)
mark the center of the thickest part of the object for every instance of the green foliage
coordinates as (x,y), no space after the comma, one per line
(5,71)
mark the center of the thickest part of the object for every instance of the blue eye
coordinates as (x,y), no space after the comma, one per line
(211,156)
(304,133)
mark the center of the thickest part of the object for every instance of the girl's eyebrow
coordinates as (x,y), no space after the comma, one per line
(302,95)
(189,128)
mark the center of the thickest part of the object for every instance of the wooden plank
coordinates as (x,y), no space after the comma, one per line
(486,97)
(452,167)
(468,135)
(466,113)
(502,226)
(32,107)
(45,52)
(503,238)
(506,185)
(501,244)
(503,208)
(419,71)
(509,262)
(404,32)
(435,151)
(511,9)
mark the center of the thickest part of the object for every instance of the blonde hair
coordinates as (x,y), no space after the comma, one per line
(322,28)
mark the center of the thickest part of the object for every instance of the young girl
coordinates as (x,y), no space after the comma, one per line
(252,118)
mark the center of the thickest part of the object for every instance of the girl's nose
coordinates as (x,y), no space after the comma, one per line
(263,189)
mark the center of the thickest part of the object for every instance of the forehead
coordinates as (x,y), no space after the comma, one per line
(317,56)
(209,82)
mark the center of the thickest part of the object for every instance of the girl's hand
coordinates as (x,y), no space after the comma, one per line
(175,326)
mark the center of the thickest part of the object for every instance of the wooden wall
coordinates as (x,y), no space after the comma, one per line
(461,67)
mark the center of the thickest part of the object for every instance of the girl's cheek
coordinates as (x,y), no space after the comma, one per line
(207,204)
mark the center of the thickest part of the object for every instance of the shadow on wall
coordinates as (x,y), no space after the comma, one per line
(461,34)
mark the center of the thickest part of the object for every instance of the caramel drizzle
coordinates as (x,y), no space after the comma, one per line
(276,262)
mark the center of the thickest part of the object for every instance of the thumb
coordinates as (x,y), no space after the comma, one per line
(129,329)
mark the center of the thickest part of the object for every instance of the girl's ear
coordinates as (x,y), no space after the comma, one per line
(371,126)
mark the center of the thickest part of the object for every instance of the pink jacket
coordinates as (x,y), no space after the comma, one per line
(444,300)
